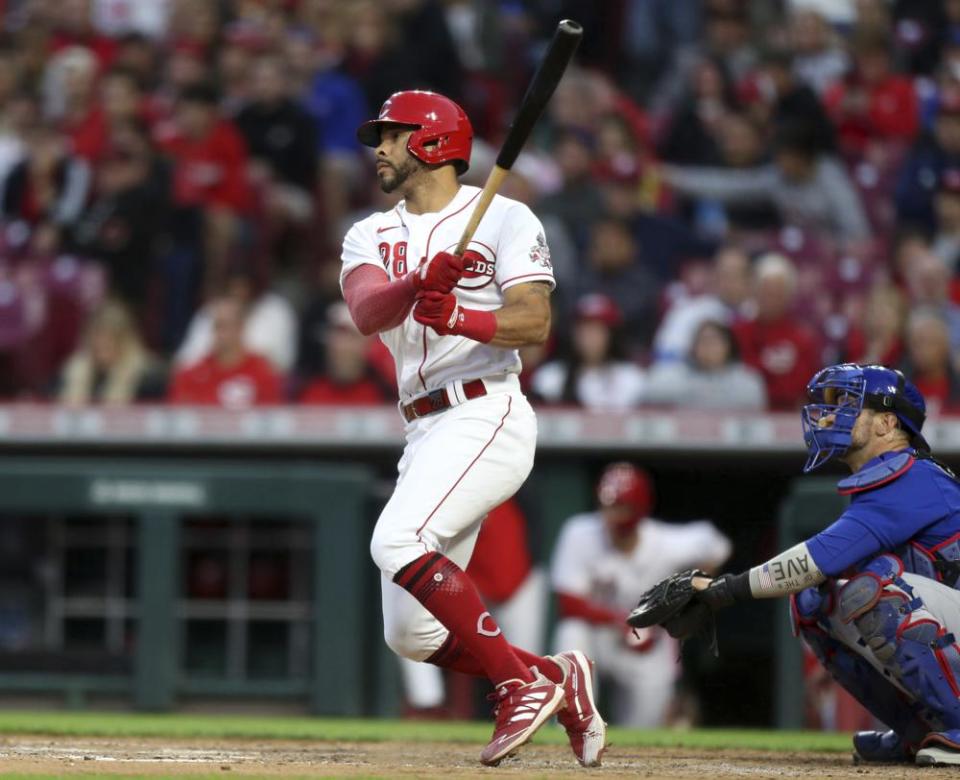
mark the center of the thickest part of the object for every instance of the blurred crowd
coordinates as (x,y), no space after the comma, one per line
(734,193)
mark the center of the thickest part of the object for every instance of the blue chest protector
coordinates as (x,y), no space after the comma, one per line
(922,502)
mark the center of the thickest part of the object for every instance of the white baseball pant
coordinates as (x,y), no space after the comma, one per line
(457,465)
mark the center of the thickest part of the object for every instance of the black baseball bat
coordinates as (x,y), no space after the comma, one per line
(545,80)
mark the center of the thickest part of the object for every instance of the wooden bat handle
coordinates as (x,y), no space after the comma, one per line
(494,180)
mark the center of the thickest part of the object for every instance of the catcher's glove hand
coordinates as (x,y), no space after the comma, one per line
(675,604)
(665,600)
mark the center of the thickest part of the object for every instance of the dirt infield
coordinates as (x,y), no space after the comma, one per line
(59,756)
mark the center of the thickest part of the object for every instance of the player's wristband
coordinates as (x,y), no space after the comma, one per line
(476,324)
(727,590)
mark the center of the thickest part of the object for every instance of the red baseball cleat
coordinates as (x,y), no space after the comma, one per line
(585,728)
(521,708)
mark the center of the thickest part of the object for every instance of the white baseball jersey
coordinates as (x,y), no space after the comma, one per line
(586,564)
(509,248)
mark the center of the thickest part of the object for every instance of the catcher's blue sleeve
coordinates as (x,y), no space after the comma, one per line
(922,504)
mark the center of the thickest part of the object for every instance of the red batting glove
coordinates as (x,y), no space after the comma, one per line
(448,318)
(440,273)
(437,310)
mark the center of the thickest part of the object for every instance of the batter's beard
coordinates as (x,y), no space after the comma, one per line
(400,175)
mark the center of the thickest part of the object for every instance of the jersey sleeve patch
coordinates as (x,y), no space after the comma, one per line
(540,252)
(523,254)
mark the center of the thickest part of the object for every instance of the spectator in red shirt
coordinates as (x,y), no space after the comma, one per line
(873,103)
(73,26)
(349,378)
(70,101)
(209,154)
(928,363)
(209,174)
(229,376)
(773,342)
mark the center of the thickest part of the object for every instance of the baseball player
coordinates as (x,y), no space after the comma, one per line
(875,594)
(602,559)
(453,325)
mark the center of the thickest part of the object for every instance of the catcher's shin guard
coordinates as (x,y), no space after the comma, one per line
(914,648)
(811,611)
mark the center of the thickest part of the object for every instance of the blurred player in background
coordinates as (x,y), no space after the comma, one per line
(453,325)
(600,560)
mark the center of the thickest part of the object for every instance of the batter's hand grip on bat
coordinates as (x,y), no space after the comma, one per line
(564,44)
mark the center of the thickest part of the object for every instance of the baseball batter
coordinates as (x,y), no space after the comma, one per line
(453,325)
(601,561)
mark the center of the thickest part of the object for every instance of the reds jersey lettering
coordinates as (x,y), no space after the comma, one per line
(508,248)
(480,266)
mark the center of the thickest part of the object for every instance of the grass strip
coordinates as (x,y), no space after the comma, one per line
(174,726)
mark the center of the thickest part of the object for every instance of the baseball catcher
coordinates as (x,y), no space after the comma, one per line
(875,594)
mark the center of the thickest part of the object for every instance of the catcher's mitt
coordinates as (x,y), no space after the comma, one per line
(673,604)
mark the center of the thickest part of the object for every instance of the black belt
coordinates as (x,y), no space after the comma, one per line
(438,400)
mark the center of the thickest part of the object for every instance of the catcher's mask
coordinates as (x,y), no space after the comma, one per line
(625,485)
(839,393)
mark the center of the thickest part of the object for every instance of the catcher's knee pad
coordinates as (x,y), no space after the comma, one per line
(911,644)
(809,610)
(875,601)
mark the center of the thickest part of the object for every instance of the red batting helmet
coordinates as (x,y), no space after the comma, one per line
(437,119)
(623,484)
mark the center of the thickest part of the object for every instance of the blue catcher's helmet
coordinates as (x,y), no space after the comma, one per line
(843,391)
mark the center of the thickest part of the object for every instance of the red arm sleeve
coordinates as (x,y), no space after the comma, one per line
(571,606)
(376,303)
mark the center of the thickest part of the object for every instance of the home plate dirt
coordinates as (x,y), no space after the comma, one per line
(126,756)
